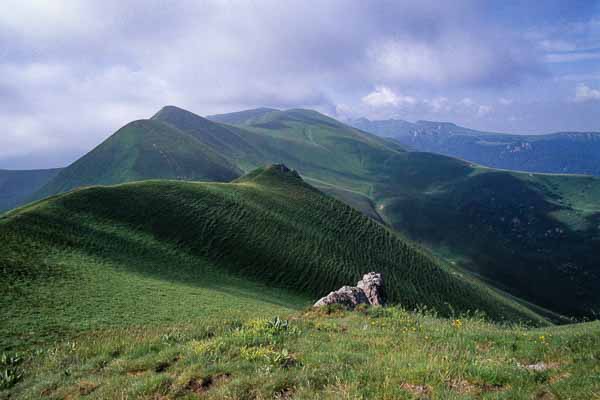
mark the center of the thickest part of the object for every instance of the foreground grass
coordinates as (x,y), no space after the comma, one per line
(331,354)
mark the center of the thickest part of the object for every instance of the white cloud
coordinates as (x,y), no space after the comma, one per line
(383,96)
(70,108)
(585,93)
(504,101)
(484,110)
(403,61)
(49,20)
(467,101)
(439,104)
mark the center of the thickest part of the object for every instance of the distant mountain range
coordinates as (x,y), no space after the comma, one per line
(532,235)
(563,152)
(16,187)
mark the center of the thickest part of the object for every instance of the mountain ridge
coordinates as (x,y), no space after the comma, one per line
(143,149)
(557,152)
(500,225)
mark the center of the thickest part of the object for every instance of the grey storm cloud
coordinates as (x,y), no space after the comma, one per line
(71,72)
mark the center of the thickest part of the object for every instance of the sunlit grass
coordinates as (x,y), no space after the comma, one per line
(374,353)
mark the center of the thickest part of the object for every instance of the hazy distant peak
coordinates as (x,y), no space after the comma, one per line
(169,112)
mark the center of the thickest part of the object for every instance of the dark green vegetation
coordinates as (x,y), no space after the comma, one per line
(536,235)
(564,152)
(165,251)
(531,235)
(16,187)
(141,150)
(375,354)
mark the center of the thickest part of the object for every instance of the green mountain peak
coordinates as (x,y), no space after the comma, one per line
(274,175)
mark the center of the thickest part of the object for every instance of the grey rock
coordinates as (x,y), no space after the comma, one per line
(540,366)
(347,296)
(369,290)
(372,285)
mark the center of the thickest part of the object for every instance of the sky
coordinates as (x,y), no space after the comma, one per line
(73,72)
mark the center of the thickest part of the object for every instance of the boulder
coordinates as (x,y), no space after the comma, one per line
(372,285)
(347,296)
(369,290)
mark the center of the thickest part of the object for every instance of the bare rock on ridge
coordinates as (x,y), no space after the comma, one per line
(347,296)
(370,290)
(372,285)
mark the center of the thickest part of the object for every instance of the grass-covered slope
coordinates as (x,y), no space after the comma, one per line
(533,235)
(144,149)
(17,186)
(376,354)
(245,117)
(113,256)
(223,139)
(319,146)
(462,212)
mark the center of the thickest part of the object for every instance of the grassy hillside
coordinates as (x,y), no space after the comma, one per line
(17,186)
(318,146)
(531,235)
(144,149)
(536,235)
(223,139)
(245,117)
(328,354)
(132,254)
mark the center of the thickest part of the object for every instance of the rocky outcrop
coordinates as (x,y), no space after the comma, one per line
(372,285)
(347,296)
(369,290)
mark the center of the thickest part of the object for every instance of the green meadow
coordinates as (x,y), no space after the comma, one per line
(371,353)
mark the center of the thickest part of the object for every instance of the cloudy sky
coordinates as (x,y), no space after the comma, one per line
(73,72)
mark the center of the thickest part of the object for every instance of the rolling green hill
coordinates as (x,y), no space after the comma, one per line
(165,289)
(528,234)
(318,146)
(107,256)
(16,187)
(533,235)
(242,117)
(144,149)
